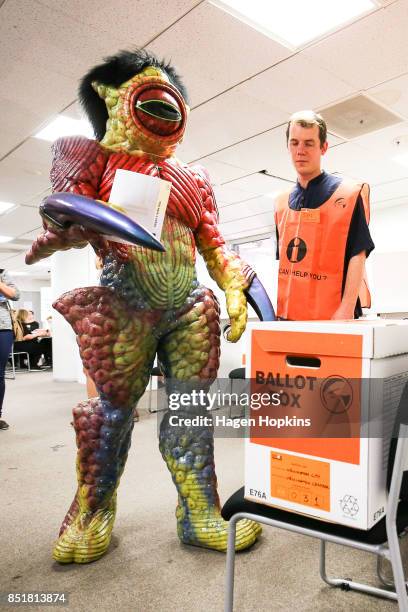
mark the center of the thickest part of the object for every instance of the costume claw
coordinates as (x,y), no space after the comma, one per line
(211,531)
(87,538)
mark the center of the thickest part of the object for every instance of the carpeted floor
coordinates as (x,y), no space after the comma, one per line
(146,567)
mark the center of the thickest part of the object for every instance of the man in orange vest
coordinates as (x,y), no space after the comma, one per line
(322,233)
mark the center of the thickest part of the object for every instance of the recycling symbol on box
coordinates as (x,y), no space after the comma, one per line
(349,505)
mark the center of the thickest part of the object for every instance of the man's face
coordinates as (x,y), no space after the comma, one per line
(305,149)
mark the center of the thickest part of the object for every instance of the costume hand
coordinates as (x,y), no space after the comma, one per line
(237,312)
(54,239)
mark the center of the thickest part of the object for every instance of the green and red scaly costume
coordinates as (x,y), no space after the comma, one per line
(148,303)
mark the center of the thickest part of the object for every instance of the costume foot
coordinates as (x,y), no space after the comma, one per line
(88,536)
(70,515)
(209,530)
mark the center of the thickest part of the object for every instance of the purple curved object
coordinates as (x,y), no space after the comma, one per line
(259,300)
(64,209)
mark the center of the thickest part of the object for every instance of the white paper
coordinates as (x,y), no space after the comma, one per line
(143,197)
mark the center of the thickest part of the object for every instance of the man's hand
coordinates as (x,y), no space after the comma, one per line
(343,312)
(354,278)
(237,312)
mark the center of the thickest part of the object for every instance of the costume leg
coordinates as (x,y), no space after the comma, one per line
(117,347)
(191,352)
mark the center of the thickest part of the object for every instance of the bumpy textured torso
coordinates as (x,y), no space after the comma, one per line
(146,278)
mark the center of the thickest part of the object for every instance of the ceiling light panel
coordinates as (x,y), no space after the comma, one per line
(5,206)
(65,126)
(294,23)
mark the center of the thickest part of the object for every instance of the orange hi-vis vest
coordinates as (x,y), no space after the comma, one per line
(312,247)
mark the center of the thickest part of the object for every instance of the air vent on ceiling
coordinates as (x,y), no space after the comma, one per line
(357,116)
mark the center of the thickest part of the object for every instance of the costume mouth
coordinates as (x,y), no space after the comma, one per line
(158,110)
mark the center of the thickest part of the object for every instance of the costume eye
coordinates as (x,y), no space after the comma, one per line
(159,109)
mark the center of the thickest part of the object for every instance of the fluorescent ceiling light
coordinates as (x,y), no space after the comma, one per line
(6,238)
(5,206)
(65,126)
(296,22)
(401,159)
(17,273)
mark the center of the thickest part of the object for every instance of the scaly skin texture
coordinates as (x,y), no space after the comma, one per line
(149,303)
(121,132)
(103,439)
(192,352)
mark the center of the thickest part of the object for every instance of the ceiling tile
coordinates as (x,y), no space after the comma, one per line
(220,172)
(385,142)
(134,23)
(258,183)
(35,152)
(368,52)
(264,230)
(215,51)
(20,221)
(228,194)
(362,164)
(261,207)
(393,94)
(389,191)
(296,84)
(249,222)
(232,117)
(20,180)
(390,203)
(260,152)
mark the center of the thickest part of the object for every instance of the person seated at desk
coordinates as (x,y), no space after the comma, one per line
(31,337)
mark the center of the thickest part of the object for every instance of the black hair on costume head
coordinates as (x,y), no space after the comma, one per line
(115,70)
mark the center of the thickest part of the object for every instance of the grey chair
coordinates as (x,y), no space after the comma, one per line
(236,374)
(382,540)
(12,369)
(10,372)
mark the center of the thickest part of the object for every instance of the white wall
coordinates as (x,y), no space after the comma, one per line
(30,290)
(387,266)
(25,283)
(69,270)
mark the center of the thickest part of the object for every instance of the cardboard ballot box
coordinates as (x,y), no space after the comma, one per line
(323,451)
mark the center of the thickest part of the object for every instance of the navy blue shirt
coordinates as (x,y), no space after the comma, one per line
(317,192)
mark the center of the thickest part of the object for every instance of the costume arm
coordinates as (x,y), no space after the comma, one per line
(352,286)
(78,164)
(228,270)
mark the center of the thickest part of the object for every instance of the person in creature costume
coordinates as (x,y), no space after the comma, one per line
(149,300)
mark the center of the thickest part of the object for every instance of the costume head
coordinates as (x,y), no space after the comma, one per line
(135,102)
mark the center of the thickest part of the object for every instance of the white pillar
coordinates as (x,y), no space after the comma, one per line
(69,270)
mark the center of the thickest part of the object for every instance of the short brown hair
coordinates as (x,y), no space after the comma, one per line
(308,119)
